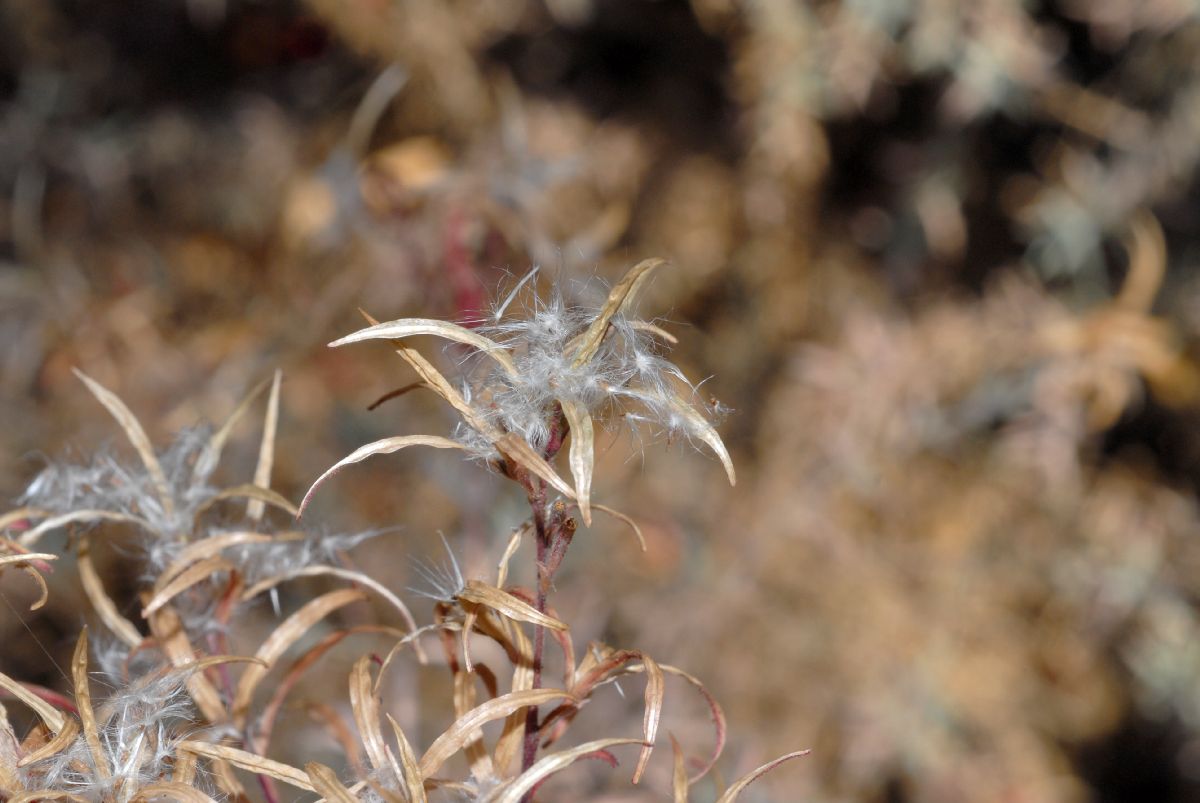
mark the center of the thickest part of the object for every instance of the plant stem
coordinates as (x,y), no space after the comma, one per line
(537,500)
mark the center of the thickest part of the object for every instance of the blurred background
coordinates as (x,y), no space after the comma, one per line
(938,257)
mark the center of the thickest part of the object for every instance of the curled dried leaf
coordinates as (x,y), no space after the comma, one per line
(731,794)
(506,604)
(252,492)
(60,742)
(193,575)
(461,732)
(326,783)
(288,633)
(30,538)
(93,588)
(365,705)
(408,327)
(137,436)
(248,761)
(414,784)
(171,790)
(211,456)
(582,455)
(83,702)
(266,450)
(55,720)
(384,446)
(655,688)
(620,298)
(515,791)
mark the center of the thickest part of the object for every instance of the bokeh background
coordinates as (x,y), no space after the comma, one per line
(938,257)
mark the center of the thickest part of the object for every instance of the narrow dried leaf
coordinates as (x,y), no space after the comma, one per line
(414,784)
(658,331)
(184,771)
(440,385)
(365,706)
(513,544)
(83,703)
(506,604)
(515,448)
(547,766)
(655,688)
(137,436)
(384,446)
(458,734)
(250,762)
(616,514)
(254,493)
(61,741)
(197,573)
(478,759)
(705,431)
(620,298)
(168,631)
(77,517)
(679,777)
(211,456)
(582,456)
(288,633)
(213,545)
(25,557)
(326,782)
(731,794)
(43,589)
(93,588)
(266,449)
(408,327)
(171,790)
(508,746)
(345,574)
(55,720)
(718,718)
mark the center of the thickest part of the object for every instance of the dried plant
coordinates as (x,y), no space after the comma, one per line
(188,717)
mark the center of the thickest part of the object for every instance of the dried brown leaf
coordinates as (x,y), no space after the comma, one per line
(414,784)
(254,493)
(616,514)
(211,546)
(168,632)
(740,784)
(582,455)
(679,777)
(172,790)
(248,761)
(326,782)
(137,436)
(516,449)
(408,327)
(197,573)
(548,765)
(344,574)
(384,446)
(513,543)
(707,433)
(61,741)
(30,538)
(288,633)
(83,702)
(55,720)
(460,733)
(655,688)
(619,298)
(266,449)
(658,331)
(365,705)
(211,455)
(93,588)
(506,604)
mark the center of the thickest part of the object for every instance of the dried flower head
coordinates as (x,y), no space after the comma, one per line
(549,375)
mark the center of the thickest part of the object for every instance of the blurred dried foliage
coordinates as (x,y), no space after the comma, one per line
(938,256)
